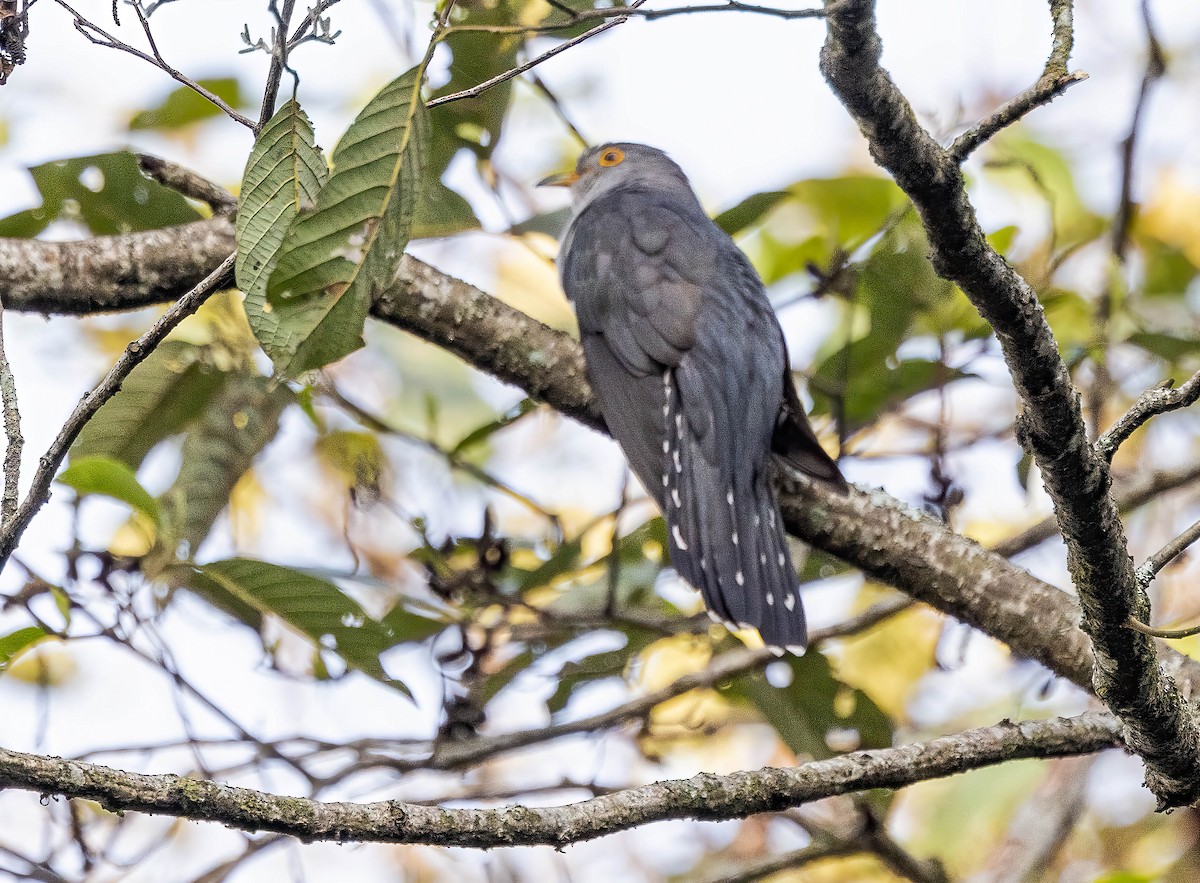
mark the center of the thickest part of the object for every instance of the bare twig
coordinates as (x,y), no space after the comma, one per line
(1159,400)
(189,183)
(1131,494)
(1055,80)
(279,61)
(135,353)
(15,443)
(1127,675)
(706,797)
(759,869)
(577,18)
(451,755)
(1167,554)
(534,62)
(101,37)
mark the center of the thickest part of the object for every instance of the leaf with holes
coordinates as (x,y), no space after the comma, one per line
(283,176)
(336,258)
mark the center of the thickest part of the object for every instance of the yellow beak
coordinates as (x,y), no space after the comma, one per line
(566,179)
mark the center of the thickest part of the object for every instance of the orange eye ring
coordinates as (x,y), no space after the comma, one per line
(613,156)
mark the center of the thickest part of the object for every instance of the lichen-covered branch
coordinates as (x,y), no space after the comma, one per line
(705,797)
(1160,726)
(1151,403)
(874,532)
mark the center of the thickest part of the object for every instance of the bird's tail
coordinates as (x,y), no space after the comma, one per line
(727,540)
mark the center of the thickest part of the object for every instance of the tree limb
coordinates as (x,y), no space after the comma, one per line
(705,797)
(872,531)
(1159,725)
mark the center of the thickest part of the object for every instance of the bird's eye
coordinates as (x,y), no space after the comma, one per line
(614,156)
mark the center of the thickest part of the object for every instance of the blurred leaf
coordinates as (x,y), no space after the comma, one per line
(159,399)
(357,458)
(405,625)
(598,666)
(185,106)
(313,607)
(241,419)
(1071,318)
(1002,239)
(336,258)
(749,211)
(1022,160)
(849,210)
(283,176)
(553,223)
(1168,270)
(14,642)
(813,706)
(483,433)
(106,193)
(1166,346)
(110,478)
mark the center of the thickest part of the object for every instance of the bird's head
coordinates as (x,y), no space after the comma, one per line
(616,165)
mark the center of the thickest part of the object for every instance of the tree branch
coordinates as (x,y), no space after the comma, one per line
(1159,725)
(872,531)
(1151,403)
(704,797)
(135,353)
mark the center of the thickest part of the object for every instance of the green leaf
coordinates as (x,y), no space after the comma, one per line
(284,174)
(1166,346)
(185,106)
(749,211)
(336,258)
(110,478)
(241,419)
(813,706)
(106,193)
(14,642)
(161,396)
(312,606)
(483,433)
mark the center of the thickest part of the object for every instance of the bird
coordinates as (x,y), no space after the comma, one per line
(691,372)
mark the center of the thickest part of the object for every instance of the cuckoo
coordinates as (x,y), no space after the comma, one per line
(690,368)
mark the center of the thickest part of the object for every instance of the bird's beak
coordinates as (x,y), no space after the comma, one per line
(566,179)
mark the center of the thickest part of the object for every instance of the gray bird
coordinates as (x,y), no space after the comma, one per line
(689,364)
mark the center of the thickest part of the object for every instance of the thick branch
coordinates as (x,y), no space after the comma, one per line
(1160,726)
(705,797)
(874,532)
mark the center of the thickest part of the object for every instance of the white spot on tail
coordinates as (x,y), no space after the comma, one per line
(782,560)
(666,446)
(735,538)
(683,547)
(675,497)
(678,465)
(789,601)
(771,518)
(741,579)
(770,599)
(704,564)
(729,497)
(762,558)
(666,480)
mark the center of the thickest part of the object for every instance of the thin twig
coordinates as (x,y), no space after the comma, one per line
(1167,554)
(1159,400)
(534,62)
(624,12)
(189,183)
(1055,80)
(12,431)
(797,858)
(135,354)
(452,755)
(101,37)
(279,62)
